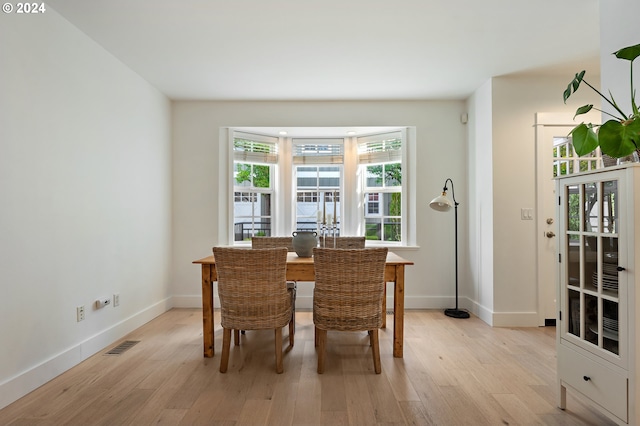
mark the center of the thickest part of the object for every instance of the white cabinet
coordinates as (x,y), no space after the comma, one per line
(598,353)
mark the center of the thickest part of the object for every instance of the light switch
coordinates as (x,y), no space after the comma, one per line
(526,214)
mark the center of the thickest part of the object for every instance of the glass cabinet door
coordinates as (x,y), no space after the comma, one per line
(590,292)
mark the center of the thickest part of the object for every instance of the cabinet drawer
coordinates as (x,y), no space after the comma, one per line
(604,386)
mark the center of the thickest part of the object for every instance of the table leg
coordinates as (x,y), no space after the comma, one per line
(384,307)
(207,311)
(398,313)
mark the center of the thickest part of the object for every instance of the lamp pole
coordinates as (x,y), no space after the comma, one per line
(442,204)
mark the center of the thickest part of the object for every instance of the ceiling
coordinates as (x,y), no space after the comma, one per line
(338,49)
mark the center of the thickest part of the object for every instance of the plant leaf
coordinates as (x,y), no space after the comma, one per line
(629,53)
(584,139)
(617,139)
(574,84)
(583,110)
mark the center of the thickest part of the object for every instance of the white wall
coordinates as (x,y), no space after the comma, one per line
(504,250)
(619,28)
(441,152)
(85,178)
(479,287)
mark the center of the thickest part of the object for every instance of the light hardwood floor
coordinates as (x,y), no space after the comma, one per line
(454,372)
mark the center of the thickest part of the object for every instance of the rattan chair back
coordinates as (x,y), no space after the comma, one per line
(349,284)
(270,242)
(343,242)
(253,295)
(252,288)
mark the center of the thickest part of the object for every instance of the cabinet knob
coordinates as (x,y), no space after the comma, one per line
(620,268)
(586,378)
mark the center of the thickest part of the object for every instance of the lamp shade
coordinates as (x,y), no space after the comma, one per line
(441,203)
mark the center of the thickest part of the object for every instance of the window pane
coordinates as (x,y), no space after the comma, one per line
(373,203)
(307,211)
(244,229)
(315,190)
(610,326)
(332,182)
(591,318)
(373,229)
(591,213)
(609,214)
(393,174)
(573,254)
(574,312)
(242,174)
(261,177)
(574,208)
(252,215)
(590,262)
(374,176)
(311,182)
(252,175)
(392,204)
(392,230)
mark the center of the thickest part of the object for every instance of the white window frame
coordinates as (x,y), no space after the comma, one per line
(267,158)
(372,151)
(306,152)
(352,182)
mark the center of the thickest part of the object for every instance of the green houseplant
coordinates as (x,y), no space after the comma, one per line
(619,136)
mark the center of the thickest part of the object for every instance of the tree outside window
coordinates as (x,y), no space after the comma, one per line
(383,217)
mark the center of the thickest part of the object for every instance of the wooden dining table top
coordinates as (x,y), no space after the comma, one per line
(293,258)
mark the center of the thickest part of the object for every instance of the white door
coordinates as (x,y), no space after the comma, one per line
(554,157)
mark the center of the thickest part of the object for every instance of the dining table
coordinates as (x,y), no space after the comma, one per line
(301,269)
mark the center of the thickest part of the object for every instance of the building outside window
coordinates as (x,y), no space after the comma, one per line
(318,169)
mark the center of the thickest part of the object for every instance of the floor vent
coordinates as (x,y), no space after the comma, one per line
(127,344)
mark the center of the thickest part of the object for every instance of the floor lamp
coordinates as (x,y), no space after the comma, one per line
(443,204)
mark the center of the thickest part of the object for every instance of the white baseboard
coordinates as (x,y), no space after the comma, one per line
(29,380)
(505,319)
(193,301)
(304,302)
(516,319)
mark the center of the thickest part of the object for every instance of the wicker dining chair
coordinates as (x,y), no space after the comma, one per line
(271,242)
(348,242)
(348,286)
(253,295)
(343,242)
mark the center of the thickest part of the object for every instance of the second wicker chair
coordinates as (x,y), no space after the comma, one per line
(349,284)
(343,242)
(292,286)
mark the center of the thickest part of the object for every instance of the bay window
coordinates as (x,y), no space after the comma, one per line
(283,184)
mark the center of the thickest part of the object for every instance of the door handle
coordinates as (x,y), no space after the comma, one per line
(550,234)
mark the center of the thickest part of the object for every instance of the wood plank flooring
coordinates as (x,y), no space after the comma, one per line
(454,372)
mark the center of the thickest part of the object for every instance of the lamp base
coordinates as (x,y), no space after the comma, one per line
(456,313)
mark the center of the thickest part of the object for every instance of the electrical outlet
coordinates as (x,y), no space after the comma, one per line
(80,313)
(116,299)
(101,303)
